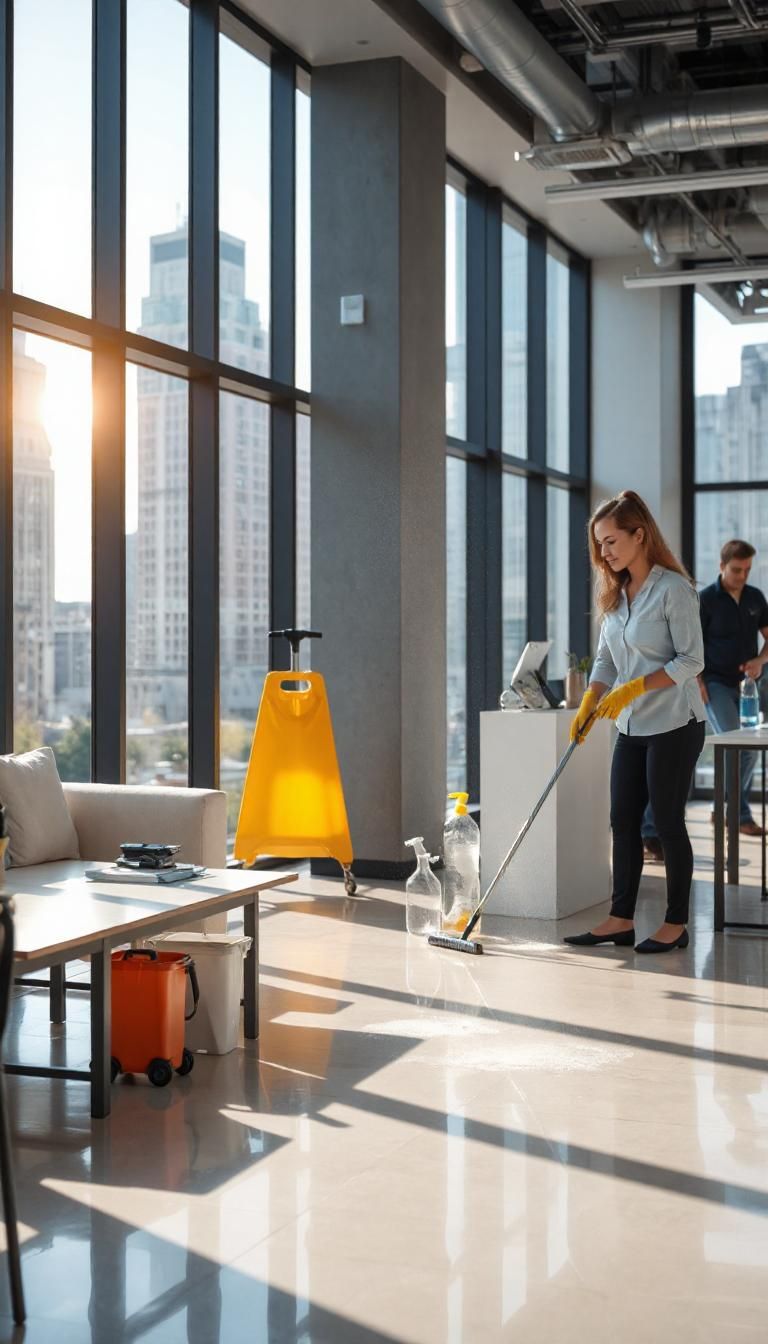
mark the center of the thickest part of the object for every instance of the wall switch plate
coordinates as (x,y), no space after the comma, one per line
(352,310)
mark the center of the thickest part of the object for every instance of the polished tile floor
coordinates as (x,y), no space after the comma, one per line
(539,1145)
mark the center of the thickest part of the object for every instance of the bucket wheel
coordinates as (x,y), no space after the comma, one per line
(159,1072)
(350,885)
(187,1063)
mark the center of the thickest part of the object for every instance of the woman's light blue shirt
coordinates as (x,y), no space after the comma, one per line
(661,629)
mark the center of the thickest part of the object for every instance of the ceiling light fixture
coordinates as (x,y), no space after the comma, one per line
(697,275)
(617,188)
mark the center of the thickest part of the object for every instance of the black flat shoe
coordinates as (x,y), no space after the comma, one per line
(651,944)
(626,939)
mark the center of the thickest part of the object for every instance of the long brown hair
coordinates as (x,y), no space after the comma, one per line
(629,512)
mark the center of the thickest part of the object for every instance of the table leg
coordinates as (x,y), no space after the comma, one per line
(101,1031)
(251,969)
(719,840)
(57,993)
(733,761)
(763,891)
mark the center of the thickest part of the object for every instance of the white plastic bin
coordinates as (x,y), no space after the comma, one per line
(219,960)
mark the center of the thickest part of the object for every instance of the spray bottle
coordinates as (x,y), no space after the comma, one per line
(422,894)
(461,848)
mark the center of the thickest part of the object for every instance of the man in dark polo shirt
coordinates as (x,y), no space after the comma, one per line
(733,613)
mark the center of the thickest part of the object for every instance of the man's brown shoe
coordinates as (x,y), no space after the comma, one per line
(750,828)
(652,850)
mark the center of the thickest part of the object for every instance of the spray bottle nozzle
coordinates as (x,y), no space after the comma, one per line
(460,809)
(418,848)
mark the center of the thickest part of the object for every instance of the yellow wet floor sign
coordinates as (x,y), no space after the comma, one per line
(293,802)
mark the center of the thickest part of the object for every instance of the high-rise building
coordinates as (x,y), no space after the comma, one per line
(72,648)
(33,542)
(732,445)
(158,617)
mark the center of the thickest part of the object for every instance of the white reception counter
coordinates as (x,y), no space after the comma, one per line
(563,865)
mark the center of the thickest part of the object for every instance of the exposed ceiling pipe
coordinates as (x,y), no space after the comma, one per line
(513,50)
(673,30)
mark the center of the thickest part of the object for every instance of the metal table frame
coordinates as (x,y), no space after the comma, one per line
(727,763)
(99,1075)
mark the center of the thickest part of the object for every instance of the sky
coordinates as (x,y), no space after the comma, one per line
(718,348)
(52,205)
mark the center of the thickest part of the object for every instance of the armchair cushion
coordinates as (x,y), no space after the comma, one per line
(107,815)
(39,825)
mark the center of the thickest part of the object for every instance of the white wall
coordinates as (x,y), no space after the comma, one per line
(636,393)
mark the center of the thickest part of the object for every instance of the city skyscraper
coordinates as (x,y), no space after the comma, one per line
(732,445)
(158,618)
(33,542)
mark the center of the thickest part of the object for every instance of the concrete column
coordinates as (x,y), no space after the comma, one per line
(378,447)
(636,394)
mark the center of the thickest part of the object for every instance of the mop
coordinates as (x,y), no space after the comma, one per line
(464,943)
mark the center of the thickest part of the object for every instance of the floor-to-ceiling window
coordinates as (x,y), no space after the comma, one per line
(727,494)
(154,330)
(517,340)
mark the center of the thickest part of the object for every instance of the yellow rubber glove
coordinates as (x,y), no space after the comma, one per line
(612,704)
(586,708)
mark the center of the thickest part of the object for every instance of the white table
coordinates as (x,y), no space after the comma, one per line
(563,865)
(61,916)
(727,748)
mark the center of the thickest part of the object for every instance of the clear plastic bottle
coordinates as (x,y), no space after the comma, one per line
(461,849)
(422,894)
(749,704)
(509,699)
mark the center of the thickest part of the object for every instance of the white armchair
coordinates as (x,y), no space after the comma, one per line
(108,815)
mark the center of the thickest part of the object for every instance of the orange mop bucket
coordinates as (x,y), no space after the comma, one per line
(293,802)
(148,999)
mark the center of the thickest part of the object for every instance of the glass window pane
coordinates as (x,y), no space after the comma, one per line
(557,581)
(52,152)
(558,382)
(244,120)
(731,398)
(157,175)
(456,574)
(723,515)
(243,583)
(514,318)
(52,550)
(303,243)
(303,525)
(156,560)
(456,313)
(514,571)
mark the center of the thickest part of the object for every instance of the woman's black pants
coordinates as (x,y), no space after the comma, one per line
(660,768)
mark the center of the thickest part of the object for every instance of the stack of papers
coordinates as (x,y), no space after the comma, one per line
(112,872)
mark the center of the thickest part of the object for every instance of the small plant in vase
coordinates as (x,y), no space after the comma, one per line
(576,679)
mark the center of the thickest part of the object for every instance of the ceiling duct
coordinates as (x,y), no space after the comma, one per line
(678,123)
(509,46)
(512,49)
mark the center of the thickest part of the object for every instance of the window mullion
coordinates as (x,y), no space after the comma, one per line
(108,457)
(283,347)
(204,396)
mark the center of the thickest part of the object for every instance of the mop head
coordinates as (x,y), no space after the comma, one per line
(455,944)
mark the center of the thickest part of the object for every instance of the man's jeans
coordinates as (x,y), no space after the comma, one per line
(723,713)
(723,708)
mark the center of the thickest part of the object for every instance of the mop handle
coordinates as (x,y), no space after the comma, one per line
(525,828)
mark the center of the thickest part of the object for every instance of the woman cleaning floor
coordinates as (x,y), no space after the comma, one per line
(644,677)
